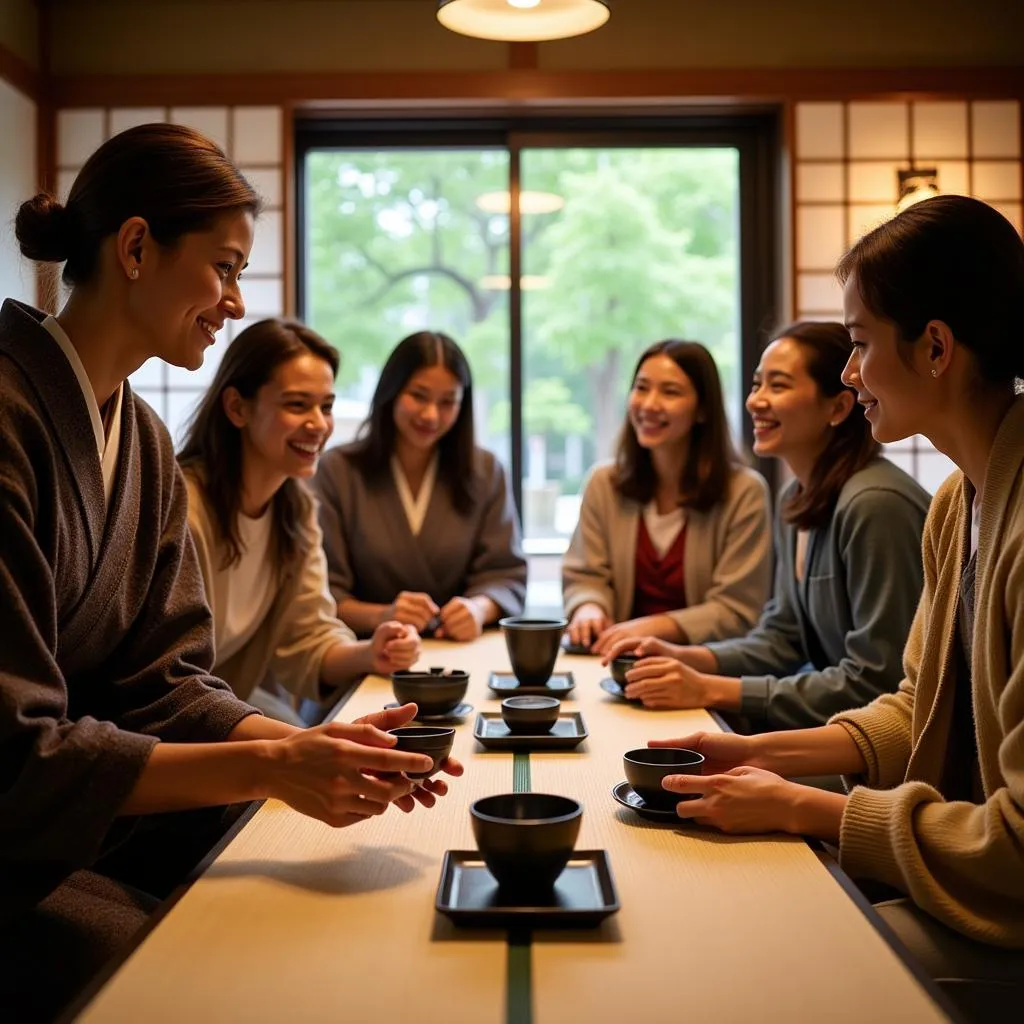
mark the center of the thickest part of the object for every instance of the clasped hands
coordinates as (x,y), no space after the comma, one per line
(461,619)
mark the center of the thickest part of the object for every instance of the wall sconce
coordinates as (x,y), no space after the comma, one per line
(916,184)
(522,21)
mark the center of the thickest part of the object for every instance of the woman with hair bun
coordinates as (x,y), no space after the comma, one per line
(933,824)
(114,780)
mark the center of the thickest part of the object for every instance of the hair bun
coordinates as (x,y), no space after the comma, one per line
(43,229)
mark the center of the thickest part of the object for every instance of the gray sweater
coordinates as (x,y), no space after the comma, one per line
(372,554)
(834,640)
(107,643)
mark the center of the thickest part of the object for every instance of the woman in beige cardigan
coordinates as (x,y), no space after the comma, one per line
(933,300)
(674,537)
(258,432)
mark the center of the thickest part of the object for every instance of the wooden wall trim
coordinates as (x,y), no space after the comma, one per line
(19,74)
(523,56)
(532,87)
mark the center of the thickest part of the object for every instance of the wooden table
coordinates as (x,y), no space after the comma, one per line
(298,922)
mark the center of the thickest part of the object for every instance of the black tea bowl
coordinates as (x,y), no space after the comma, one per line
(434,741)
(533,646)
(435,692)
(647,766)
(621,665)
(530,714)
(526,839)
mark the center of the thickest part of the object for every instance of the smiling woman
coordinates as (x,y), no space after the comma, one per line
(116,775)
(444,555)
(256,436)
(847,553)
(673,538)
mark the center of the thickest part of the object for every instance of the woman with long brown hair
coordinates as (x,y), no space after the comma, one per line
(847,551)
(254,439)
(673,538)
(445,554)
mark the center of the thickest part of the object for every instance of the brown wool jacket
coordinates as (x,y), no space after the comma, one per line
(106,642)
(961,861)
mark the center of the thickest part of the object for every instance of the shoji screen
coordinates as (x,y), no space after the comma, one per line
(846,160)
(253,138)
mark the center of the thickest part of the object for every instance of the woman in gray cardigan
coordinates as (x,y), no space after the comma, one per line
(418,522)
(673,538)
(848,558)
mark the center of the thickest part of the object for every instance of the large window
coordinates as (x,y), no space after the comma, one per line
(395,243)
(612,239)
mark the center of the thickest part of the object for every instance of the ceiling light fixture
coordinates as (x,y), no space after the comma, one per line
(529,202)
(916,184)
(522,21)
(503,282)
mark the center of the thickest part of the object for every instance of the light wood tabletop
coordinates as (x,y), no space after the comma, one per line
(296,922)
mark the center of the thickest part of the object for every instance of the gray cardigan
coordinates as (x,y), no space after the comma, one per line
(372,554)
(834,640)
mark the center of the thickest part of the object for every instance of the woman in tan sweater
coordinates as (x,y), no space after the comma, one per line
(254,439)
(935,810)
(674,538)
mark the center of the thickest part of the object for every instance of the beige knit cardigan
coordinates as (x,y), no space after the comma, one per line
(961,862)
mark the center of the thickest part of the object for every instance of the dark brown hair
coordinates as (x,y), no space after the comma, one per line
(171,176)
(851,446)
(711,459)
(372,450)
(212,452)
(952,259)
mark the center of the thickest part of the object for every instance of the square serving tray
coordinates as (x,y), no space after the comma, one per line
(583,896)
(505,684)
(568,731)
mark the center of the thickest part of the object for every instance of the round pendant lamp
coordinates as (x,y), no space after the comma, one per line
(522,21)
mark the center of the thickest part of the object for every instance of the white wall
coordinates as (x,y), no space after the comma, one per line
(17,183)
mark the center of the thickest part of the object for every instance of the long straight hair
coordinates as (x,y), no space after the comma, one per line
(826,347)
(711,459)
(375,442)
(212,452)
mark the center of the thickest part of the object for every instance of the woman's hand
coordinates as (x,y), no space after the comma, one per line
(413,608)
(588,622)
(665,683)
(634,629)
(742,800)
(393,647)
(462,620)
(647,646)
(722,751)
(331,772)
(748,800)
(427,792)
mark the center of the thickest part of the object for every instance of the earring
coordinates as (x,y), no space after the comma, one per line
(935,373)
(134,273)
